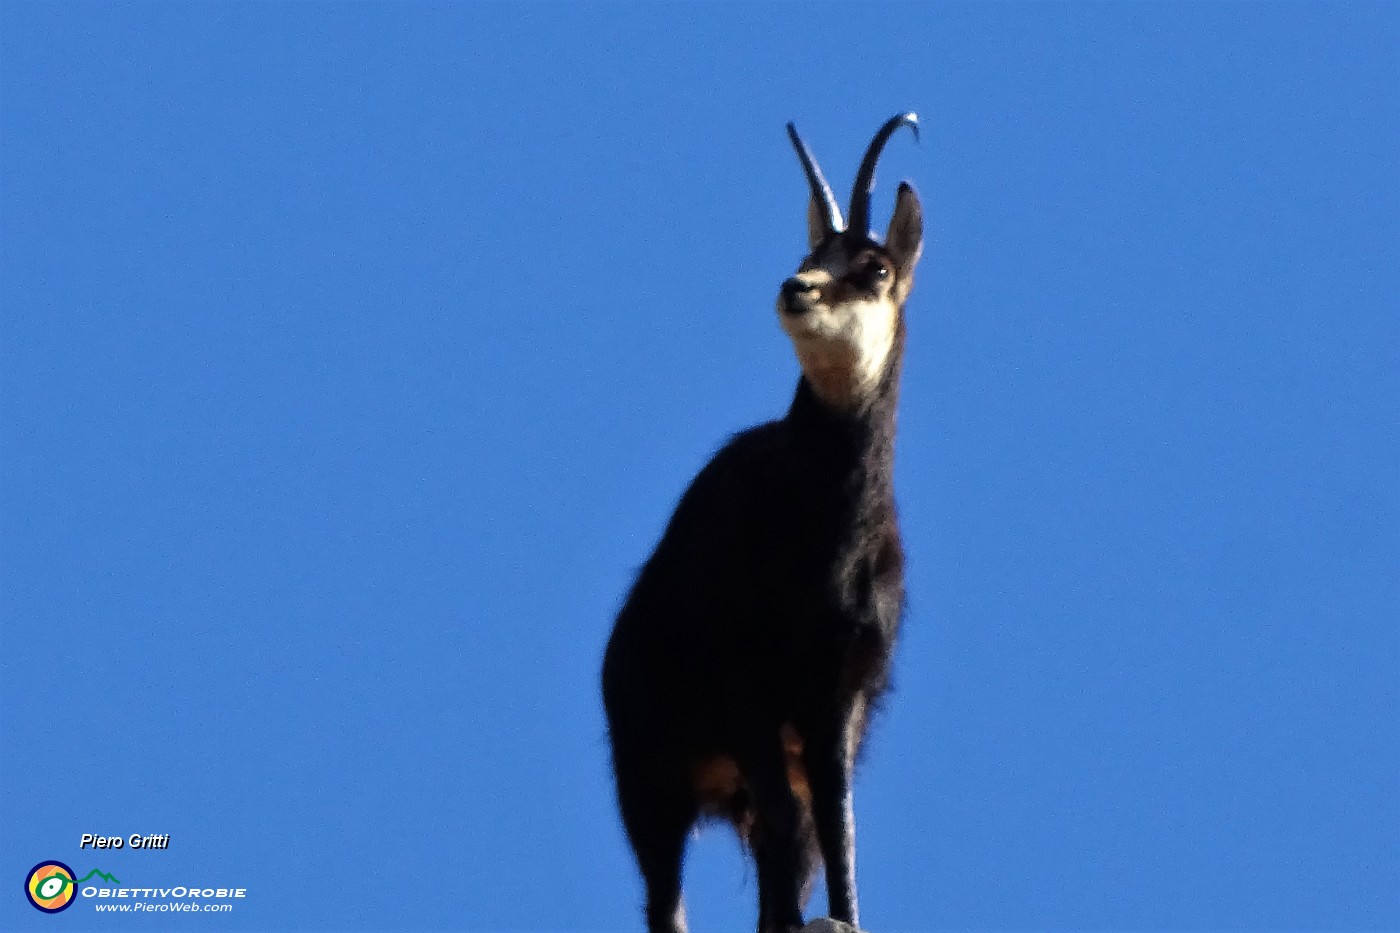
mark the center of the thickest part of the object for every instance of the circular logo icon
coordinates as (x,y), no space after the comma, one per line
(49,887)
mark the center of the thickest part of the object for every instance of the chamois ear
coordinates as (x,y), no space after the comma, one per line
(817,230)
(905,239)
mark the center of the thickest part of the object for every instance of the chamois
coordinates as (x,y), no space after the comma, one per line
(757,637)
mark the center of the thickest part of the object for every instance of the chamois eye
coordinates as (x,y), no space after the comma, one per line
(870,273)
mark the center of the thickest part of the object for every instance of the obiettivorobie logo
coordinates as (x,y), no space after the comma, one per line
(52,886)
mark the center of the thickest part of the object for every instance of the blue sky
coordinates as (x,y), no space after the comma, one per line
(353,356)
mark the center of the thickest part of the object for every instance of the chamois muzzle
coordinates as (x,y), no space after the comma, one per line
(796,293)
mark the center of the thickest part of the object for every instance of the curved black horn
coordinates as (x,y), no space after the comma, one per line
(821,191)
(865,178)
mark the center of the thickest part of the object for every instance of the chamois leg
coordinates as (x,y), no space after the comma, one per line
(780,840)
(828,760)
(658,815)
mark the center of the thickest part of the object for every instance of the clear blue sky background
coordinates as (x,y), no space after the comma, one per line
(353,357)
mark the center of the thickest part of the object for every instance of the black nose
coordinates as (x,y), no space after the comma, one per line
(791,289)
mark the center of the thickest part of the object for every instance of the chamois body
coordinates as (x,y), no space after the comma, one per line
(757,637)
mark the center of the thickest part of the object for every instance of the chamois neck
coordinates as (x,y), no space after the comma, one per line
(853,444)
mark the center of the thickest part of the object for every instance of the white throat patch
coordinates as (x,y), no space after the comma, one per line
(843,349)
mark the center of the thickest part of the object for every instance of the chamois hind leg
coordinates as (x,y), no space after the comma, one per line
(828,758)
(658,812)
(781,840)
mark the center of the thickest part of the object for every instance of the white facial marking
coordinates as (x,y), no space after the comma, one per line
(842,348)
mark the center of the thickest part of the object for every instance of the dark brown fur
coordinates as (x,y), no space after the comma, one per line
(757,638)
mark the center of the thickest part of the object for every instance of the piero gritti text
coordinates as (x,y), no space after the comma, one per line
(134,841)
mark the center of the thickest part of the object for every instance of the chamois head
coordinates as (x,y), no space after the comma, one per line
(844,307)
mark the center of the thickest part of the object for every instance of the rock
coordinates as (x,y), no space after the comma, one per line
(827,925)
